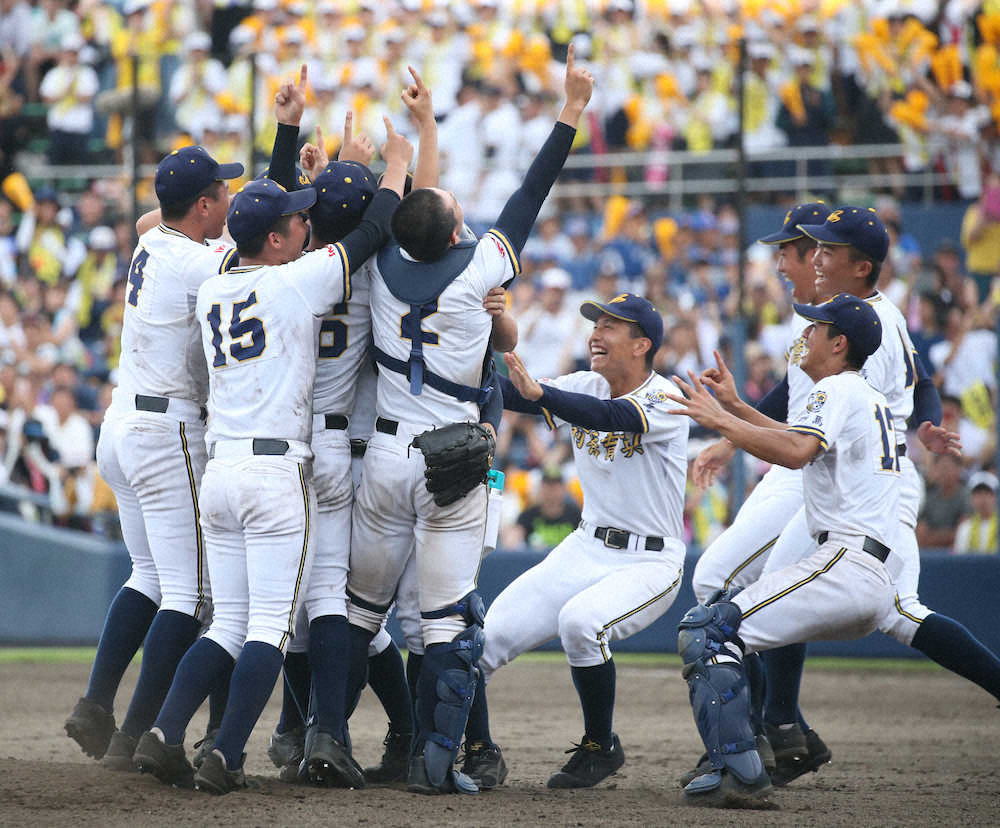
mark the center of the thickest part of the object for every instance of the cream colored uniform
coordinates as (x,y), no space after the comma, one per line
(393,507)
(852,490)
(586,592)
(152,446)
(258,505)
(891,371)
(737,557)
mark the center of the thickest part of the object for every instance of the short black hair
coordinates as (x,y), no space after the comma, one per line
(636,332)
(856,256)
(422,225)
(252,248)
(855,359)
(178,210)
(803,245)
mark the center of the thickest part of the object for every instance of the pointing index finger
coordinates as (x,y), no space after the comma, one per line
(416,78)
(303,76)
(348,126)
(569,58)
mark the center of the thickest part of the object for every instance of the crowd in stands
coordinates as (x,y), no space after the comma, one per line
(924,75)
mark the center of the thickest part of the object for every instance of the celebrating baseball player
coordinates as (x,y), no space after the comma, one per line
(152,454)
(258,505)
(844,440)
(431,341)
(620,569)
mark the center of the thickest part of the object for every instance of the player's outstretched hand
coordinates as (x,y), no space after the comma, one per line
(417,98)
(699,405)
(496,301)
(939,439)
(312,157)
(721,382)
(396,149)
(519,376)
(290,99)
(355,147)
(579,82)
(710,461)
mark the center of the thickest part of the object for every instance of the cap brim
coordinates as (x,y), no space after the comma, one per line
(814,313)
(231,170)
(822,233)
(296,201)
(594,310)
(780,237)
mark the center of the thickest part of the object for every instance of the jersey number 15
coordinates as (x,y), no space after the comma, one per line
(238,329)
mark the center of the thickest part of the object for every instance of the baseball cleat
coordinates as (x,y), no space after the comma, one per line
(484,765)
(455,781)
(119,753)
(589,764)
(204,746)
(212,777)
(287,748)
(704,766)
(90,726)
(723,789)
(819,755)
(166,762)
(395,763)
(788,743)
(331,764)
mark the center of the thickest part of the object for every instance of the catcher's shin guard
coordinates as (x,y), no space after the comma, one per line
(719,694)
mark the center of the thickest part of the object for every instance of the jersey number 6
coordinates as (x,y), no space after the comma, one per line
(238,329)
(333,334)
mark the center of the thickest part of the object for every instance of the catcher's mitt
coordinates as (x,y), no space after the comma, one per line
(458,457)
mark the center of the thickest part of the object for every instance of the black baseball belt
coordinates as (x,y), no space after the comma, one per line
(358,447)
(619,538)
(335,422)
(159,405)
(873,547)
(261,445)
(386,426)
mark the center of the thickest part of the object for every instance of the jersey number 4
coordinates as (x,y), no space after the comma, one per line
(135,276)
(238,329)
(890,460)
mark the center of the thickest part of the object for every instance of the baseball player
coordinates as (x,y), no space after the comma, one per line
(431,339)
(620,569)
(152,453)
(845,442)
(258,506)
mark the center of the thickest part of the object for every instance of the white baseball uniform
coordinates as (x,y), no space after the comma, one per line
(586,591)
(258,505)
(841,588)
(737,557)
(393,507)
(890,370)
(151,450)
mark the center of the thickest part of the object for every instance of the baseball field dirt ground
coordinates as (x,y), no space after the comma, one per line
(912,745)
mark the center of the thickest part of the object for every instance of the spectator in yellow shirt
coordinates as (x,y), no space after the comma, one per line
(981,237)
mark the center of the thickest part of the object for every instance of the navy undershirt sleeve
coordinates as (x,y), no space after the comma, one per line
(774,404)
(491,411)
(283,155)
(590,412)
(373,231)
(518,215)
(512,399)
(926,400)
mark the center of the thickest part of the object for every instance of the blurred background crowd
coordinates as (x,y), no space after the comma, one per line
(903,95)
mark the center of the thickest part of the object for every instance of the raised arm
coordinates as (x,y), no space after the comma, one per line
(289,104)
(417,98)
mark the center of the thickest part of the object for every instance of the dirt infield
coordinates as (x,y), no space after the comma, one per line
(909,748)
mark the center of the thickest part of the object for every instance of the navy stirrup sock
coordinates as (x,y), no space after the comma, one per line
(783,667)
(329,648)
(952,646)
(295,692)
(217,701)
(754,668)
(201,670)
(477,729)
(125,627)
(387,678)
(253,681)
(596,687)
(357,665)
(170,635)
(413,661)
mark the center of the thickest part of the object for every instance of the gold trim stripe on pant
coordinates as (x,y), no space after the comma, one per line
(197,525)
(904,613)
(749,561)
(808,579)
(302,563)
(601,635)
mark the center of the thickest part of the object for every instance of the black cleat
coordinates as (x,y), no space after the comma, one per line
(818,755)
(212,776)
(166,762)
(331,764)
(204,746)
(484,765)
(90,726)
(119,754)
(395,763)
(589,764)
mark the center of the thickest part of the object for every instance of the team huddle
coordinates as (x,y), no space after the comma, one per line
(302,436)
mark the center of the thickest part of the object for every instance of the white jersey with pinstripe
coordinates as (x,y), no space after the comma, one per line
(454,336)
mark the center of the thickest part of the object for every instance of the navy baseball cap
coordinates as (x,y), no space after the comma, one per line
(343,192)
(859,227)
(855,317)
(812,212)
(187,171)
(631,308)
(259,204)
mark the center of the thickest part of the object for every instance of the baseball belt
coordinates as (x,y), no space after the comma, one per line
(619,538)
(358,447)
(261,446)
(337,422)
(159,405)
(386,426)
(873,547)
